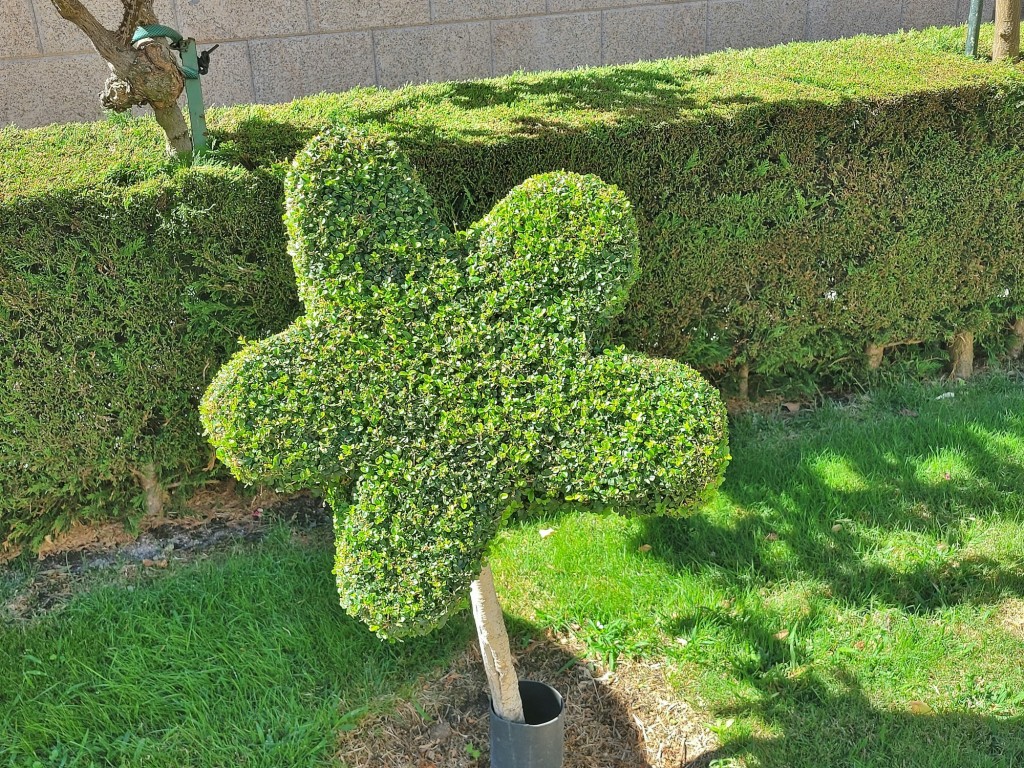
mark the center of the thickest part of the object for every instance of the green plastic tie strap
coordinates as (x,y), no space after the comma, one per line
(159,30)
(190,69)
(156,30)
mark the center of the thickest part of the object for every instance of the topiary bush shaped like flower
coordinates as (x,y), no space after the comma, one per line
(438,378)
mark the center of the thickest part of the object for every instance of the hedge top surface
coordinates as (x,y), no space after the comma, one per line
(437,378)
(727,83)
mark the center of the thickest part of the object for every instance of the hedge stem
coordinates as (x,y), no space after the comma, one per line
(495,650)
(875,354)
(152,489)
(744,384)
(1017,345)
(961,355)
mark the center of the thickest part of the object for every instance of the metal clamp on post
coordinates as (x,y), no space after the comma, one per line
(192,66)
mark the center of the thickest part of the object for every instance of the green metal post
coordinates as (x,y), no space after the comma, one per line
(973,28)
(194,95)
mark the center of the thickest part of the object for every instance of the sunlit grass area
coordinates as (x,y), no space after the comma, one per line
(853,597)
(244,659)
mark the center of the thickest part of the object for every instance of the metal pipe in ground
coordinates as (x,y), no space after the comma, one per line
(537,743)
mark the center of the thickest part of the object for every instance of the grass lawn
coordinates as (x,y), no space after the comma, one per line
(853,597)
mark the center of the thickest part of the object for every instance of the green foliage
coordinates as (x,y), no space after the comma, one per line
(916,598)
(114,310)
(436,378)
(794,204)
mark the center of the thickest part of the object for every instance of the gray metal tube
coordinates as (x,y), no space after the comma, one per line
(973,27)
(537,743)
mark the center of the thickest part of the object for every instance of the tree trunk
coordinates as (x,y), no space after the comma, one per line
(961,355)
(1006,43)
(494,648)
(179,142)
(875,354)
(143,73)
(744,384)
(154,492)
(1017,345)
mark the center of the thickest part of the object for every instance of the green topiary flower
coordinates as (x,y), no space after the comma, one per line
(437,377)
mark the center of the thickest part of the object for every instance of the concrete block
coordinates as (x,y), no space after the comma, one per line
(345,15)
(547,42)
(229,80)
(55,89)
(21,29)
(60,36)
(566,6)
(831,19)
(755,23)
(920,14)
(212,20)
(654,32)
(431,54)
(467,10)
(287,68)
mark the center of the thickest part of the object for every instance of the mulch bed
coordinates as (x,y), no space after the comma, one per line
(629,718)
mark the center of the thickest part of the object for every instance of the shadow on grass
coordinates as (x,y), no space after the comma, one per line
(639,95)
(818,508)
(630,92)
(883,510)
(248,653)
(818,722)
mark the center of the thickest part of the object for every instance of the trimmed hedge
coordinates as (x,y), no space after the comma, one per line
(436,378)
(794,205)
(115,309)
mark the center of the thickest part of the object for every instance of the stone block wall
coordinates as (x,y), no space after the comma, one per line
(278,50)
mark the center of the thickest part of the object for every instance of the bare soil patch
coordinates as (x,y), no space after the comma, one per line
(1011,616)
(216,518)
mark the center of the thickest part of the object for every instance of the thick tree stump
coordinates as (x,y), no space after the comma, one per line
(961,355)
(495,650)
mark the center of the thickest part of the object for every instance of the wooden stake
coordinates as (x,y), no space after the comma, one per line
(1006,43)
(494,648)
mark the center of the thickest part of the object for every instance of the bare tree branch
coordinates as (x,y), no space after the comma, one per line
(147,73)
(103,39)
(136,13)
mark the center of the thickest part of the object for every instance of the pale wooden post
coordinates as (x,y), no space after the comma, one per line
(1006,43)
(494,648)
